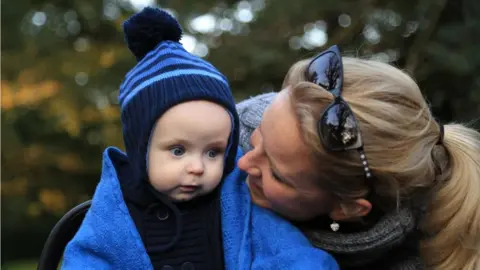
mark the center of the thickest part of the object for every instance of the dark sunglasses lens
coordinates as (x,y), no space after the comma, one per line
(339,129)
(325,71)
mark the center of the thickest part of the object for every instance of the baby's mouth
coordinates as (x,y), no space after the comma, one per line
(189,188)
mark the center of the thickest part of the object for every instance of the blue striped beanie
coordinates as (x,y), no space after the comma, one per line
(164,76)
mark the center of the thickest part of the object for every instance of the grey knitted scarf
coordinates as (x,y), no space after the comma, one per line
(386,245)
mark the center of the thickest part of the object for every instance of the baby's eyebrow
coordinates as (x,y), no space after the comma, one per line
(173,141)
(219,143)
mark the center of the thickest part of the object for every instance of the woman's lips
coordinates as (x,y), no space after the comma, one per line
(254,187)
(257,194)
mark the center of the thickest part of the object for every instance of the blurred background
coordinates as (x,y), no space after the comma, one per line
(62,63)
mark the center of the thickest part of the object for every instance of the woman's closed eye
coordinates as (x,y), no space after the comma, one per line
(276,177)
(280,179)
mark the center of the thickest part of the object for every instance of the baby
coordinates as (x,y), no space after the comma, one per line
(180,129)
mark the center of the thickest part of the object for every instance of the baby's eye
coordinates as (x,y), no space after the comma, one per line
(212,153)
(177,151)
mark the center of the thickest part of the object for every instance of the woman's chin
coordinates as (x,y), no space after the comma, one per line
(261,202)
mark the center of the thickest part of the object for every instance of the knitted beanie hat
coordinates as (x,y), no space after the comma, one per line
(164,76)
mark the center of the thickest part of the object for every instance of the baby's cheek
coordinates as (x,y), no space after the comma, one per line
(153,177)
(154,169)
(217,174)
(162,175)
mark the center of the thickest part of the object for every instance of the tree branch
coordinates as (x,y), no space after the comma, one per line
(424,34)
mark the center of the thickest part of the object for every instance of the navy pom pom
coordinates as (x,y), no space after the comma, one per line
(144,30)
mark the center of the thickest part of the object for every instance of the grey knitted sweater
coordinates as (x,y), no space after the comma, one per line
(391,243)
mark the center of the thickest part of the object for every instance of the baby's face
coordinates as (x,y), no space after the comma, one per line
(187,148)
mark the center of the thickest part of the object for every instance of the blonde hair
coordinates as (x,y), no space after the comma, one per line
(401,143)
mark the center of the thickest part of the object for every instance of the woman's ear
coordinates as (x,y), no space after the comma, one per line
(351,211)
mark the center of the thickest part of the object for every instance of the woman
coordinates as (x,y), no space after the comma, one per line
(353,156)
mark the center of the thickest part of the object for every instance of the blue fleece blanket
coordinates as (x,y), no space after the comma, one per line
(254,238)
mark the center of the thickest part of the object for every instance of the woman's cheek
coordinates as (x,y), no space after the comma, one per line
(272,193)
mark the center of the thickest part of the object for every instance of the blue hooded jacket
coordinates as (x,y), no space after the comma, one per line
(253,237)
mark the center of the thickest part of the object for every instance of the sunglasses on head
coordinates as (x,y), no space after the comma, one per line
(338,128)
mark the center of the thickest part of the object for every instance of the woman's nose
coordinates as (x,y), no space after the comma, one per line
(249,164)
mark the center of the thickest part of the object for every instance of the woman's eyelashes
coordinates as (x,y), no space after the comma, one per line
(276,177)
(279,179)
